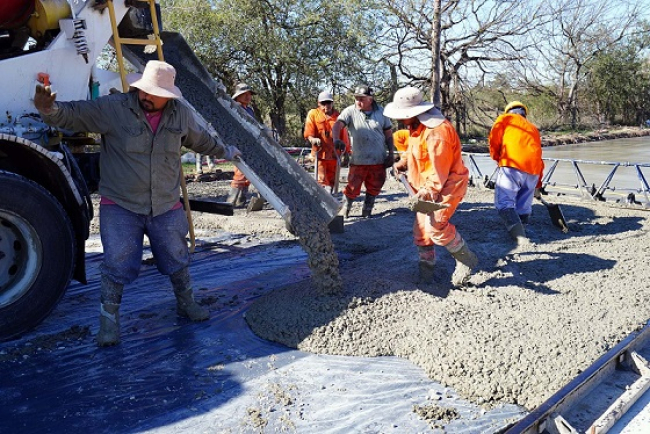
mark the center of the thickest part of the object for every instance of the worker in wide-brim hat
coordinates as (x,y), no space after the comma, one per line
(244,96)
(437,173)
(516,146)
(238,195)
(142,132)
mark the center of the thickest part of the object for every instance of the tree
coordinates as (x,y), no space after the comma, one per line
(478,38)
(580,31)
(283,48)
(618,83)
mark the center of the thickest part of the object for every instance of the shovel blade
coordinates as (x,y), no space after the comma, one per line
(557,218)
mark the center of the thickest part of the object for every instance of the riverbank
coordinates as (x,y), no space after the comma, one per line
(557,139)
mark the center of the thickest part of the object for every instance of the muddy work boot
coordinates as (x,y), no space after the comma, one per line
(237,196)
(109,318)
(347,206)
(426,263)
(109,325)
(518,234)
(514,225)
(466,261)
(368,204)
(185,304)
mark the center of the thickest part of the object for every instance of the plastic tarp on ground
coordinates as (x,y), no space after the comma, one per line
(171,375)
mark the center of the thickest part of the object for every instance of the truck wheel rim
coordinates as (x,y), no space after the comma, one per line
(20,257)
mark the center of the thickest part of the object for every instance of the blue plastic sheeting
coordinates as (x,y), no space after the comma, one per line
(163,363)
(172,375)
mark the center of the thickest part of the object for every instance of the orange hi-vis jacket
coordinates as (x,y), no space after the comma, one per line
(401,140)
(319,125)
(434,161)
(515,142)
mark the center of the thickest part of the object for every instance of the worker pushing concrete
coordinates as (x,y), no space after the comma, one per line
(516,146)
(437,173)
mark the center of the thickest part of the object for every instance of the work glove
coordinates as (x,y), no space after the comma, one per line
(44,99)
(339,145)
(231,152)
(424,194)
(389,161)
(538,193)
(314,141)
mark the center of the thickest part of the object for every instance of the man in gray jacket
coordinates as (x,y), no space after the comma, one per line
(142,132)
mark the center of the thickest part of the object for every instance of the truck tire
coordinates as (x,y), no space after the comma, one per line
(37,250)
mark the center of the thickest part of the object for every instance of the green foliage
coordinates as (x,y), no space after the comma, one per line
(287,50)
(492,52)
(619,81)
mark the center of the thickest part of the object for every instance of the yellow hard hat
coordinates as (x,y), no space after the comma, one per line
(514,104)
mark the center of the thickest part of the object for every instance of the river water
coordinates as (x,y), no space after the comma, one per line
(596,162)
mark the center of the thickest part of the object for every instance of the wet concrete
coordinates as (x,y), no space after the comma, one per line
(297,190)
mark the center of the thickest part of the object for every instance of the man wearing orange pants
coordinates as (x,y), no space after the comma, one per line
(516,146)
(318,131)
(436,171)
(239,185)
(371,136)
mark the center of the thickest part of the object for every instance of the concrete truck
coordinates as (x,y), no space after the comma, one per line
(46,177)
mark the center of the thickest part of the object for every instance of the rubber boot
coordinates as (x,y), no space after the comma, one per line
(514,225)
(368,204)
(426,263)
(518,234)
(237,196)
(109,318)
(185,304)
(347,206)
(466,260)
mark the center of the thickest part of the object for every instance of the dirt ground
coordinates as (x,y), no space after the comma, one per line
(531,319)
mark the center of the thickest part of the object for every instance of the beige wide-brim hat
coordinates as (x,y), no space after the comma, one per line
(241,89)
(158,80)
(407,103)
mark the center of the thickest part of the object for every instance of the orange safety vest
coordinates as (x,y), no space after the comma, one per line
(435,162)
(515,142)
(319,125)
(400,140)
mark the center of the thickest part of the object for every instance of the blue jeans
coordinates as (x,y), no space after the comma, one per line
(122,233)
(514,189)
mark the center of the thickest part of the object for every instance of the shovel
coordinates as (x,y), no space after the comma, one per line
(557,218)
(419,205)
(335,187)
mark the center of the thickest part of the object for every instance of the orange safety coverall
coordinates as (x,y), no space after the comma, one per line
(400,140)
(515,142)
(434,161)
(319,125)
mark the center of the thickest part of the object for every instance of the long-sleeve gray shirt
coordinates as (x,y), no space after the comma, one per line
(139,170)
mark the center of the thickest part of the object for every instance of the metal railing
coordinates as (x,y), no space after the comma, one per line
(600,184)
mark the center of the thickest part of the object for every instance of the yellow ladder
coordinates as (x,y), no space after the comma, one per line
(118,41)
